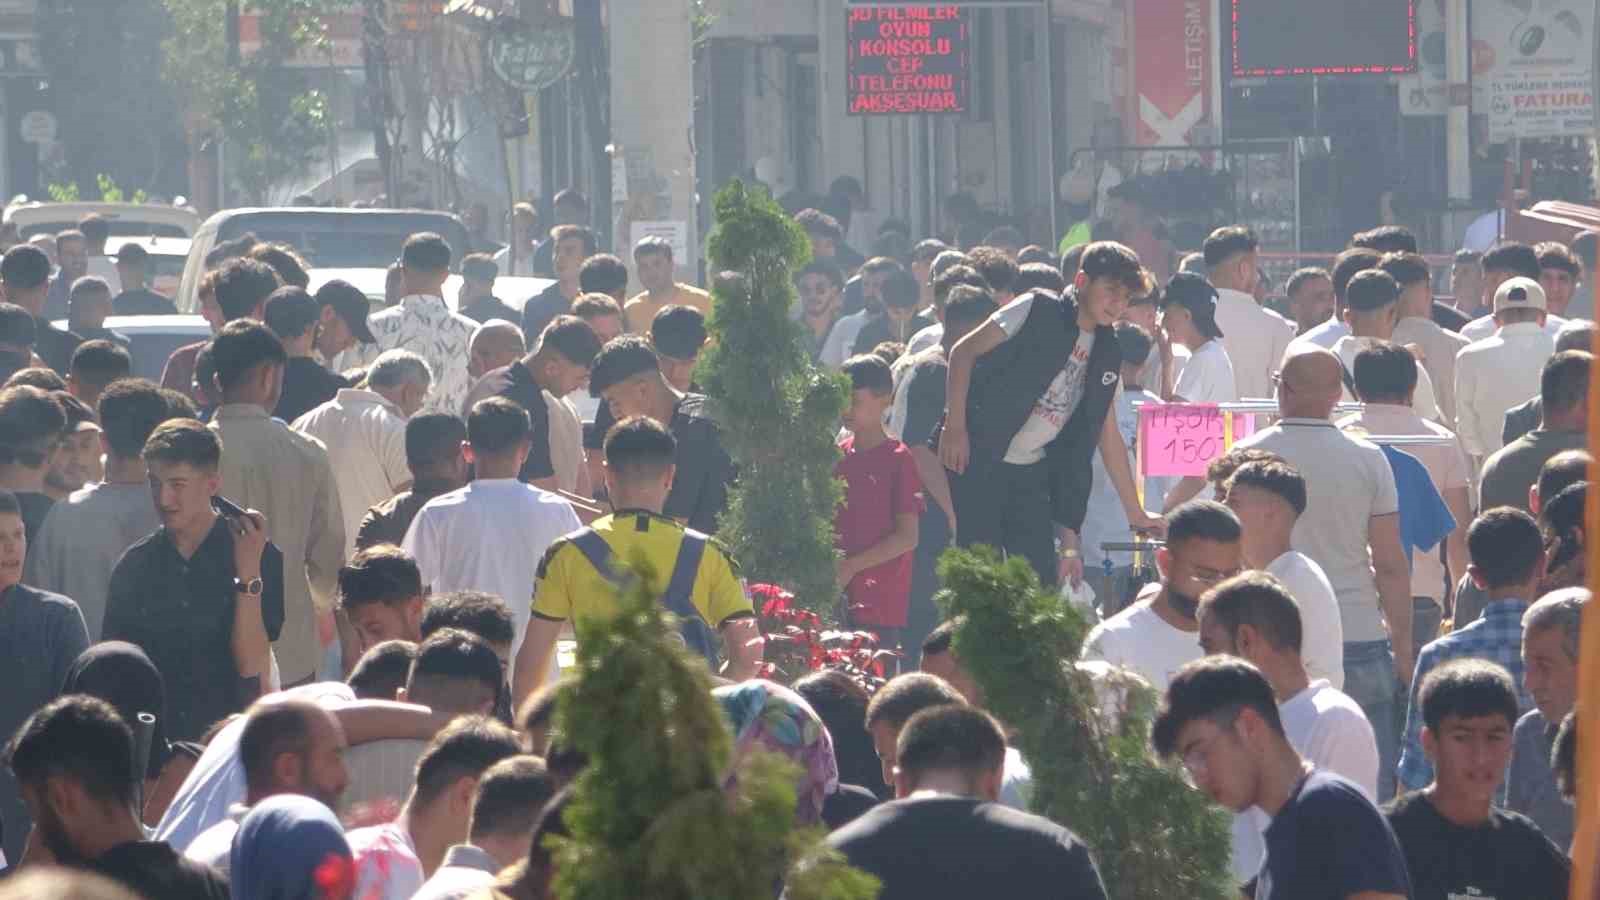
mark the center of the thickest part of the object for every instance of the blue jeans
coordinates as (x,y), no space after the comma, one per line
(1369,679)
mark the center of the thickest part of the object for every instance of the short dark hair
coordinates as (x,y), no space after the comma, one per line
(1371,290)
(594,305)
(433,438)
(271,730)
(998,269)
(639,445)
(1037,277)
(869,373)
(623,358)
(1135,344)
(475,612)
(1563,518)
(927,250)
(226,250)
(283,259)
(184,441)
(479,267)
(1216,688)
(1467,689)
(1303,277)
(31,422)
(76,411)
(240,347)
(450,656)
(1227,242)
(1514,257)
(1505,545)
(900,290)
(950,737)
(25,267)
(425,251)
(1564,383)
(1199,519)
(41,377)
(95,228)
(1564,756)
(1386,239)
(906,695)
(1385,373)
(1260,600)
(967,307)
(81,737)
(291,312)
(244,284)
(130,409)
(1276,477)
(1562,471)
(652,245)
(17,326)
(382,573)
(942,637)
(465,748)
(1004,236)
(678,331)
(382,670)
(1465,257)
(496,426)
(510,795)
(87,284)
(817,223)
(570,197)
(571,337)
(824,268)
(956,276)
(584,233)
(1109,259)
(1348,264)
(602,273)
(99,362)
(1406,268)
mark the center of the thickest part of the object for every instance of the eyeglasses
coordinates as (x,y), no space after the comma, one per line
(1211,576)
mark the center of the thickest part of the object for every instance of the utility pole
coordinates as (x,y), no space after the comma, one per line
(652,124)
(1458,131)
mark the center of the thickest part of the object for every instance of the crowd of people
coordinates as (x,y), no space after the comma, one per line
(291,623)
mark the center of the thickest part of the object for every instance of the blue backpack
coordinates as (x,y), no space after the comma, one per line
(692,627)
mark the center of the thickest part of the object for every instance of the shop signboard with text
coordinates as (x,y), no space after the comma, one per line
(904,59)
(1530,105)
(1173,44)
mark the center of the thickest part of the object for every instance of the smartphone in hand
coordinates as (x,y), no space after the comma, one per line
(227,508)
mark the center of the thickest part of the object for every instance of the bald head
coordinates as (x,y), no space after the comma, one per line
(1310,383)
(494,344)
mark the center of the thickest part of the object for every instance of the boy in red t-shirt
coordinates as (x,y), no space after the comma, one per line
(876,526)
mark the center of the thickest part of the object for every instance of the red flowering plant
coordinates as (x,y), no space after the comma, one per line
(799,642)
(335,878)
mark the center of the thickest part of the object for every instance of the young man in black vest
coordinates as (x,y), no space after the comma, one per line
(1025,411)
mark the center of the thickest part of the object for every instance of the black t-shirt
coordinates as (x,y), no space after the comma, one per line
(877,329)
(526,393)
(924,387)
(485,308)
(539,311)
(54,346)
(153,869)
(848,803)
(1506,857)
(946,846)
(35,506)
(704,469)
(1329,841)
(306,386)
(142,302)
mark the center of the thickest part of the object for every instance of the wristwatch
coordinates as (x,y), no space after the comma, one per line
(252,587)
(1070,553)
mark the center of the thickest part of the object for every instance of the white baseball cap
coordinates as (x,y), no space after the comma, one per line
(1519,293)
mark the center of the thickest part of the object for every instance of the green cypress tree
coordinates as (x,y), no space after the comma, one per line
(649,816)
(778,412)
(1152,835)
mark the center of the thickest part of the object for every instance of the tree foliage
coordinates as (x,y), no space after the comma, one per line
(273,121)
(649,815)
(1152,835)
(778,411)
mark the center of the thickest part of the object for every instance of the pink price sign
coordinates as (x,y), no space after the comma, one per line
(1183,438)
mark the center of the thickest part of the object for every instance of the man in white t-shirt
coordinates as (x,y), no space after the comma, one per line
(1500,372)
(1268,498)
(1254,617)
(1158,634)
(1188,315)
(1256,337)
(1504,261)
(490,535)
(1371,310)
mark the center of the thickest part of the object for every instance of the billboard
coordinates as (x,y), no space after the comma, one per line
(1278,38)
(907,60)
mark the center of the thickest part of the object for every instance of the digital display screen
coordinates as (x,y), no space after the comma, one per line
(1275,38)
(906,60)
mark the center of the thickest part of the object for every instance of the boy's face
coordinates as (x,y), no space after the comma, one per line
(1102,299)
(568,258)
(1559,286)
(1141,314)
(182,492)
(655,270)
(1469,755)
(1219,763)
(567,376)
(867,406)
(819,294)
(13,547)
(77,459)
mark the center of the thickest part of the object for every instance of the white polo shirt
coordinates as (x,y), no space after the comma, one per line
(1493,375)
(366,439)
(1485,326)
(1256,339)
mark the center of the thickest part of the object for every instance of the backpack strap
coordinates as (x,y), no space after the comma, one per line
(679,596)
(597,551)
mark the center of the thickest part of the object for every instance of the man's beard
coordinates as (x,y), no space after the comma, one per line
(1182,604)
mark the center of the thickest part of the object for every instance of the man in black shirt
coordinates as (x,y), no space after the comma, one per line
(627,375)
(75,762)
(573,244)
(897,319)
(947,837)
(31,427)
(136,298)
(1326,841)
(476,299)
(202,595)
(433,454)
(25,277)
(1457,844)
(293,314)
(88,306)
